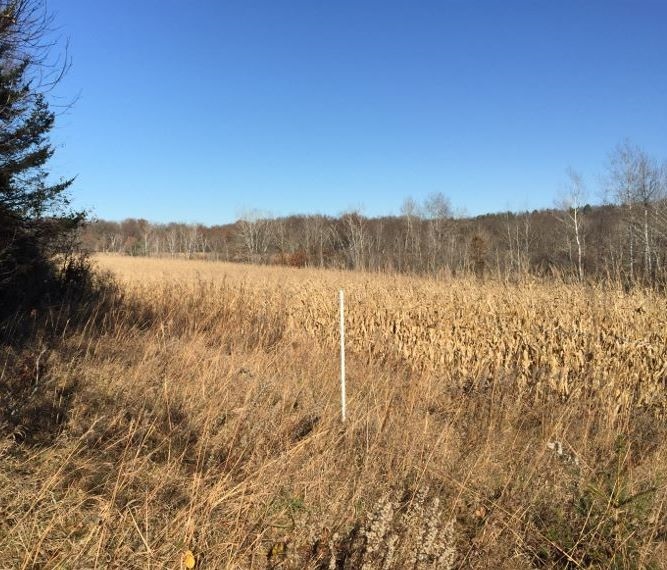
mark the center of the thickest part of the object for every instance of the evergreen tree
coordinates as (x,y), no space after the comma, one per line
(36,223)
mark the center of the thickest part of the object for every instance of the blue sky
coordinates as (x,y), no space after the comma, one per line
(196,111)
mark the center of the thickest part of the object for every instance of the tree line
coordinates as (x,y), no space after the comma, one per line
(624,239)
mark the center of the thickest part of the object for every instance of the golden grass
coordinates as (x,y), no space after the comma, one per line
(498,426)
(547,336)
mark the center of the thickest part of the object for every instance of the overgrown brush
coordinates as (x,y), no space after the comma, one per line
(201,415)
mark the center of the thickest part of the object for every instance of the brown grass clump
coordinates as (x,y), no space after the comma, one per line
(489,426)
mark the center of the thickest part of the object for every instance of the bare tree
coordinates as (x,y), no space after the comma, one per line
(649,190)
(660,227)
(620,184)
(636,183)
(438,210)
(172,238)
(255,232)
(571,204)
(411,213)
(319,234)
(356,238)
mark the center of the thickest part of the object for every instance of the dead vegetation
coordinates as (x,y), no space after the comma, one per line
(490,426)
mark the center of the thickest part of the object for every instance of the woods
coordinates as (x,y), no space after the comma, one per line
(624,240)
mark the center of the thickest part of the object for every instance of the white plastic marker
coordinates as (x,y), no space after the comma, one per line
(341,299)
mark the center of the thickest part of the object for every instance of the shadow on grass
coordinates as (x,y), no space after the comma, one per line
(60,302)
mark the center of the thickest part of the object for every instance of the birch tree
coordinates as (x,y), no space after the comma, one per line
(255,234)
(635,181)
(571,205)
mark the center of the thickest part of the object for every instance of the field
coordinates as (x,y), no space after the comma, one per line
(193,416)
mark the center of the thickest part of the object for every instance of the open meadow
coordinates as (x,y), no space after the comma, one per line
(192,416)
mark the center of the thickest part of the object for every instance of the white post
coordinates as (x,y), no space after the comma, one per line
(341,299)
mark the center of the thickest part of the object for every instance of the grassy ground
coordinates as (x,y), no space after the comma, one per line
(197,409)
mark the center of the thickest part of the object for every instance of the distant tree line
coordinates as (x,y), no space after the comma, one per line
(623,240)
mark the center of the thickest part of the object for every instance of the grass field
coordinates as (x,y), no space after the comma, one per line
(197,410)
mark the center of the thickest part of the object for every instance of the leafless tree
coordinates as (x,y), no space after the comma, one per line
(318,236)
(411,214)
(620,186)
(255,232)
(356,238)
(437,210)
(570,212)
(172,238)
(636,182)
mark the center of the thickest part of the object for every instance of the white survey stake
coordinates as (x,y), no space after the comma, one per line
(341,299)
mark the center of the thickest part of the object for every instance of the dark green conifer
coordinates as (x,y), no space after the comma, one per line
(36,222)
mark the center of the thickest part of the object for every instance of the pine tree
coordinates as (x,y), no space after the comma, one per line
(36,222)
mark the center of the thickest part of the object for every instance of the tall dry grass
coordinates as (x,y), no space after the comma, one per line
(489,426)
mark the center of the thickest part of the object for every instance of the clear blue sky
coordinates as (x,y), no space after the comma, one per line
(195,111)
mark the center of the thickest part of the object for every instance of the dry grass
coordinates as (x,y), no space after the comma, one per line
(489,426)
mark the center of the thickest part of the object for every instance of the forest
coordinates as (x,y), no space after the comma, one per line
(624,240)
